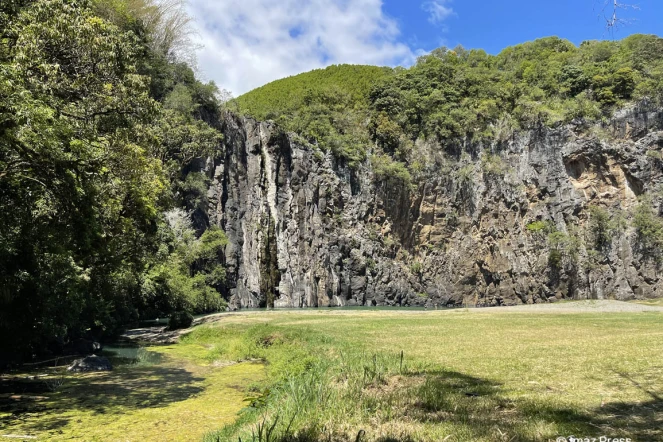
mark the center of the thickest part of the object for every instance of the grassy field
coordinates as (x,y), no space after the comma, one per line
(464,375)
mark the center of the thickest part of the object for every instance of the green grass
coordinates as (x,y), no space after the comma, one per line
(171,398)
(465,376)
(328,375)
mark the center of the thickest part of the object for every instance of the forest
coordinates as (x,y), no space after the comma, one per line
(100,116)
(459,96)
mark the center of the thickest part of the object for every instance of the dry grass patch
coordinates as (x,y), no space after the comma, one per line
(653,302)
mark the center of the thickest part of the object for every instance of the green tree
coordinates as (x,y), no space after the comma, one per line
(188,274)
(88,157)
(649,229)
(601,228)
(80,189)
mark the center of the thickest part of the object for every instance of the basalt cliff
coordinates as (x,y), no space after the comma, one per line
(306,230)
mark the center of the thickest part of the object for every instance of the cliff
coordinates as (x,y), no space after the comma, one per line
(306,230)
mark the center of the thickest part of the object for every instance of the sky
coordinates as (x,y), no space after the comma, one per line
(244,44)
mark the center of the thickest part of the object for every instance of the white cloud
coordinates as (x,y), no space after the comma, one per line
(248,43)
(438,10)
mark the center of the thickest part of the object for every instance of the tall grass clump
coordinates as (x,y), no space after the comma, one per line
(316,391)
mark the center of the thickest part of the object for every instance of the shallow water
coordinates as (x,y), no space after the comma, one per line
(163,321)
(130,353)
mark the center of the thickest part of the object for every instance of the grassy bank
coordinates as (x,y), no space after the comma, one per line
(160,396)
(463,376)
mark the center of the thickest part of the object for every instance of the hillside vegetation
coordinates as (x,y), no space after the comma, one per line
(462,97)
(328,107)
(282,97)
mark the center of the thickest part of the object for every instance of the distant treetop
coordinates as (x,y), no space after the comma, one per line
(286,95)
(457,95)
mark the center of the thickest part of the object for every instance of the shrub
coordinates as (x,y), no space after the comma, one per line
(385,168)
(563,250)
(593,260)
(493,165)
(624,82)
(649,230)
(601,228)
(655,154)
(385,132)
(180,320)
(465,173)
(540,226)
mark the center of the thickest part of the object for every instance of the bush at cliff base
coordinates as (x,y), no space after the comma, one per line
(180,320)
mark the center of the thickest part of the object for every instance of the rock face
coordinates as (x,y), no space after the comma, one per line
(305,230)
(91,363)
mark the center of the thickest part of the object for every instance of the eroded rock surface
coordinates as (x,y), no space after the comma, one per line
(306,230)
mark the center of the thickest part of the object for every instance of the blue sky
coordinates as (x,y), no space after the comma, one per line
(248,43)
(494,25)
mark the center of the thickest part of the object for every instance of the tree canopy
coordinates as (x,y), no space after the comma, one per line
(325,106)
(96,129)
(456,96)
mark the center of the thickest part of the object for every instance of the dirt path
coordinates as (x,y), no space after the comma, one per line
(589,306)
(585,306)
(160,335)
